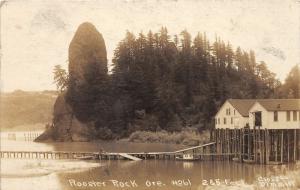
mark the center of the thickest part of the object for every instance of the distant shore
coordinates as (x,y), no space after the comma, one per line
(184,137)
(26,127)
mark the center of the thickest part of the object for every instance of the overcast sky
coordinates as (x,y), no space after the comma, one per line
(36,33)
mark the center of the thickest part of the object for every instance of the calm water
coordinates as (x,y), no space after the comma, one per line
(149,174)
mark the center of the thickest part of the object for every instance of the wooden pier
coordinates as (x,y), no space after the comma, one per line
(26,136)
(262,146)
(203,151)
(107,156)
(44,154)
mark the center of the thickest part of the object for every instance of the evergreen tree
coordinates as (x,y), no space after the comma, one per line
(291,86)
(61,78)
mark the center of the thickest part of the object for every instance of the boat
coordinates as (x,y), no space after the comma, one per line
(85,157)
(235,159)
(187,157)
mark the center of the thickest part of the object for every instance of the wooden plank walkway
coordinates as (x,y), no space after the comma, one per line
(136,156)
(45,154)
(195,147)
(130,157)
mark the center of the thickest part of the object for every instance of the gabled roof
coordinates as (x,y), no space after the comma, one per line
(242,105)
(280,104)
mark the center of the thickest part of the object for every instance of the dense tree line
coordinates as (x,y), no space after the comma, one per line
(182,77)
(160,81)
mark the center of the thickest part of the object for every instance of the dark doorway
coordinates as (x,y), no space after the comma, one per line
(257,121)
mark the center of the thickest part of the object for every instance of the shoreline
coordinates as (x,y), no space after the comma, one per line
(188,136)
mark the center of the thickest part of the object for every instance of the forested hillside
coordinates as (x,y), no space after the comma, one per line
(159,82)
(23,110)
(183,77)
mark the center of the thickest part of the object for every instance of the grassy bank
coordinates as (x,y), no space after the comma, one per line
(188,137)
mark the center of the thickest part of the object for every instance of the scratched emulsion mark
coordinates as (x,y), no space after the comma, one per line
(48,18)
(275,52)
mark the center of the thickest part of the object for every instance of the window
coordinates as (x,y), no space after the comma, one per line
(228,111)
(231,121)
(288,116)
(294,115)
(225,120)
(218,120)
(275,116)
(233,112)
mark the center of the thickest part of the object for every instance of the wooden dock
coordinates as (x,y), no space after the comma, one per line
(203,151)
(25,136)
(261,146)
(44,154)
(195,147)
(107,156)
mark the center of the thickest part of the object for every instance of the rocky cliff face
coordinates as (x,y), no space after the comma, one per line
(87,68)
(87,51)
(66,127)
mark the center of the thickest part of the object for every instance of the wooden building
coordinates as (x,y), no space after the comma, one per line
(234,114)
(265,131)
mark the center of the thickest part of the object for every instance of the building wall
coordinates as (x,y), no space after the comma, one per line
(268,118)
(282,122)
(238,121)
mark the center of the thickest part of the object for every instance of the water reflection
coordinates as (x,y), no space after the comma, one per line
(188,165)
(119,146)
(169,171)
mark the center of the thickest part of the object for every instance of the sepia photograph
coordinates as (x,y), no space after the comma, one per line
(150,94)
